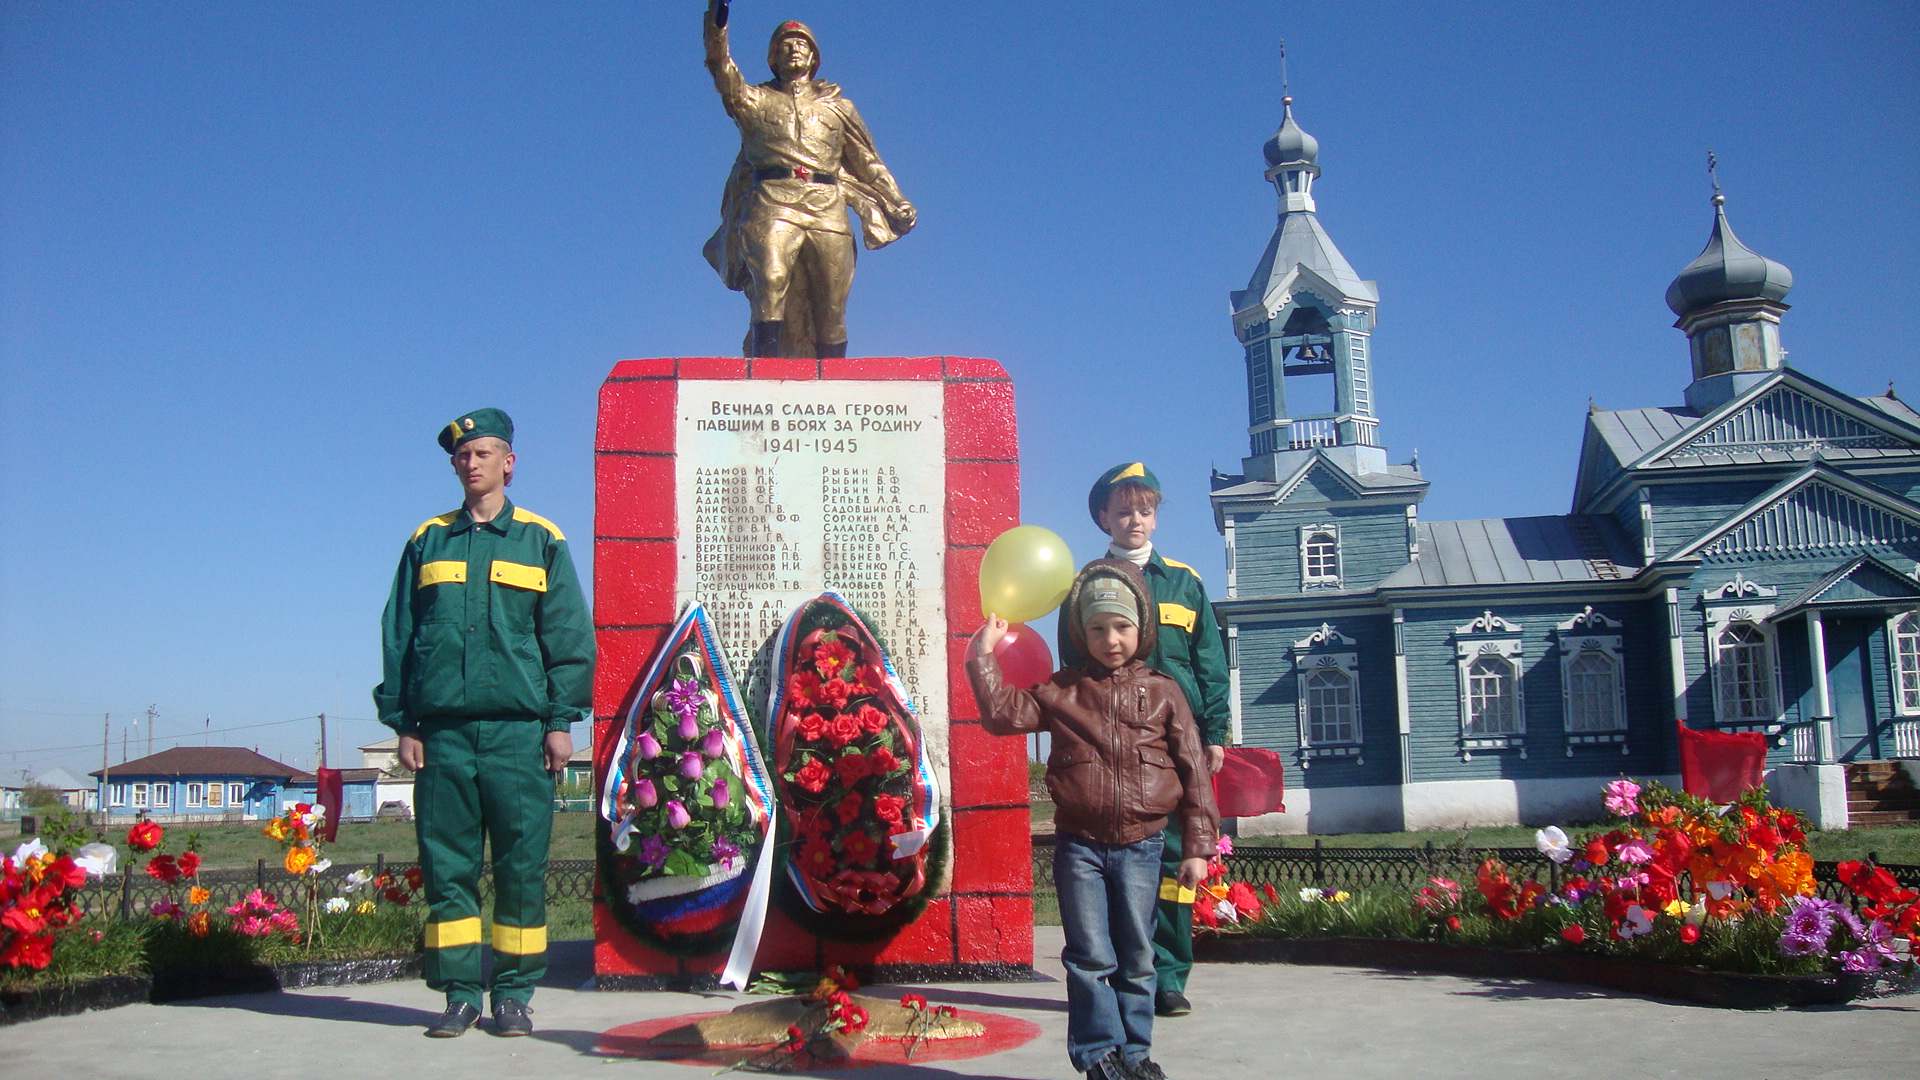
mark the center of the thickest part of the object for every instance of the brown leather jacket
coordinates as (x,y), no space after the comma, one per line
(1126,751)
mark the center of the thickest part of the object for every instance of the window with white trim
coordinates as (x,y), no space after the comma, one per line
(163,795)
(196,794)
(1327,678)
(139,796)
(1743,673)
(1320,556)
(237,796)
(1493,715)
(1906,663)
(1592,677)
(116,794)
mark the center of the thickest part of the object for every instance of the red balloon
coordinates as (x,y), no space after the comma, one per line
(1025,660)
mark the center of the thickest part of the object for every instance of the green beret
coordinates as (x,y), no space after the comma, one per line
(478,424)
(1133,471)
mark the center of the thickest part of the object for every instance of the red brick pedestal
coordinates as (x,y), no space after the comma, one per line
(981,927)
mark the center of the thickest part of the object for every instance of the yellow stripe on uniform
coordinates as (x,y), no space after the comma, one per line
(520,575)
(445,520)
(438,573)
(521,513)
(1181,565)
(453,933)
(519,940)
(1175,615)
(1170,890)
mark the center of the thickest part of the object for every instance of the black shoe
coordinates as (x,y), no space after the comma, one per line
(454,1022)
(510,1018)
(1171,1003)
(1110,1067)
(1145,1069)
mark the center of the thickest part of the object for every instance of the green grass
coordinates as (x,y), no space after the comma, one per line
(239,847)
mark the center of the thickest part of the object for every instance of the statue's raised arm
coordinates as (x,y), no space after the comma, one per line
(805,159)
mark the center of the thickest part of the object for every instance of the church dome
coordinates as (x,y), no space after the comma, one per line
(1726,270)
(1291,144)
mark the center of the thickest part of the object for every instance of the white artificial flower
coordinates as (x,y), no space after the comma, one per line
(1227,912)
(98,860)
(320,867)
(1309,895)
(27,851)
(336,904)
(357,880)
(1697,914)
(1553,843)
(1636,922)
(1719,890)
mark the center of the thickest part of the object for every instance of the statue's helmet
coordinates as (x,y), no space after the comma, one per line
(793,28)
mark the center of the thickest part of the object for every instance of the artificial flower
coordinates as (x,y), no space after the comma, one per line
(189,862)
(163,868)
(881,762)
(1595,853)
(1223,846)
(1309,895)
(842,730)
(713,744)
(890,808)
(811,726)
(677,816)
(1690,933)
(1635,922)
(684,697)
(165,909)
(849,808)
(1553,843)
(647,746)
(1635,851)
(143,836)
(198,895)
(645,796)
(1453,922)
(364,907)
(97,860)
(299,859)
(336,904)
(1574,933)
(276,829)
(851,767)
(720,793)
(654,851)
(812,776)
(1621,797)
(724,853)
(199,924)
(692,764)
(860,847)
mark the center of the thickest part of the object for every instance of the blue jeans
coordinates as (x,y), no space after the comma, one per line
(1107,893)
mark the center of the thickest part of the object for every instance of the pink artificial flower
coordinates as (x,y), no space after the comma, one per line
(677,815)
(1635,851)
(645,796)
(721,795)
(692,764)
(647,745)
(713,744)
(1224,846)
(1621,797)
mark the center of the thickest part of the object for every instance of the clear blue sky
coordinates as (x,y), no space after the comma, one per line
(252,256)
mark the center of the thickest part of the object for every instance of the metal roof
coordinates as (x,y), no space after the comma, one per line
(204,761)
(1301,241)
(1488,551)
(1634,433)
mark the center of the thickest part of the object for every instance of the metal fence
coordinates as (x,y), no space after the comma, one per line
(132,893)
(1325,866)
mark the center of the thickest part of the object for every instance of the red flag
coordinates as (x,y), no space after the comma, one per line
(1720,765)
(331,794)
(1252,782)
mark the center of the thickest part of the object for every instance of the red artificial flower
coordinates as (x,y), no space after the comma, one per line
(946,1010)
(811,823)
(384,881)
(872,720)
(28,950)
(811,727)
(1268,891)
(67,872)
(835,692)
(851,767)
(803,688)
(1453,922)
(1574,933)
(1689,933)
(845,980)
(860,848)
(831,656)
(816,856)
(1596,852)
(1241,896)
(189,862)
(199,924)
(1203,915)
(397,895)
(144,836)
(881,762)
(889,808)
(414,878)
(813,776)
(849,808)
(163,868)
(916,1002)
(843,730)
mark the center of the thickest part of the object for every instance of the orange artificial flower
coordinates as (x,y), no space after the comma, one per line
(198,924)
(197,896)
(298,859)
(277,829)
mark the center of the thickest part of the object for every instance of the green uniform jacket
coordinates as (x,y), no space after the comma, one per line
(486,622)
(1189,648)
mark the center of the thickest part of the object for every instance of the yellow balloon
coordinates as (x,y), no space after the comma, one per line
(1025,574)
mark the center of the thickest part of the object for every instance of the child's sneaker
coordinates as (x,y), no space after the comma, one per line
(1111,1066)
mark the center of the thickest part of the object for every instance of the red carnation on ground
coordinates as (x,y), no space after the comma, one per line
(813,776)
(144,836)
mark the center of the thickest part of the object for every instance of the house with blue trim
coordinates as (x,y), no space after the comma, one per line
(1745,560)
(195,783)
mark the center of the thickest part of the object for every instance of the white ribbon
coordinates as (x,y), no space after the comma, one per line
(753,919)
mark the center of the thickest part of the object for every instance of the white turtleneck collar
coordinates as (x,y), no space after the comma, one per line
(1138,556)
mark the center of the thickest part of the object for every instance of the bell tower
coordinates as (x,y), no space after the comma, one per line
(1305,320)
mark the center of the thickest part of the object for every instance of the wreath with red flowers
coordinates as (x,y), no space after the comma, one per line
(848,761)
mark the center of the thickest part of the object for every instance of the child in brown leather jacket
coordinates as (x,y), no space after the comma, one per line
(1126,753)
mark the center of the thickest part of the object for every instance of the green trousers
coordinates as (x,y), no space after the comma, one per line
(1172,922)
(485,781)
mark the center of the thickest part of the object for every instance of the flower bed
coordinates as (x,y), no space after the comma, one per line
(1671,884)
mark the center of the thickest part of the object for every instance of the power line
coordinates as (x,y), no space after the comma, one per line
(214,731)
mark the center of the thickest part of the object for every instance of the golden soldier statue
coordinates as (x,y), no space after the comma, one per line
(805,157)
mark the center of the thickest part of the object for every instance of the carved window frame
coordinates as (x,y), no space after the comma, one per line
(1327,649)
(196,794)
(1744,603)
(1308,578)
(1593,634)
(1903,662)
(1491,637)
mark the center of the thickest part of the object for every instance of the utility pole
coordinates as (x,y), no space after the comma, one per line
(323,744)
(106,763)
(152,711)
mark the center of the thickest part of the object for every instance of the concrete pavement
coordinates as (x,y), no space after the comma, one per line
(1249,1021)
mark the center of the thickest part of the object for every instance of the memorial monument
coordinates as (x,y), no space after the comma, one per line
(805,159)
(760,515)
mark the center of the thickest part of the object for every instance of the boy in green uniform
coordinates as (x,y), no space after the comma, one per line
(1125,504)
(488,663)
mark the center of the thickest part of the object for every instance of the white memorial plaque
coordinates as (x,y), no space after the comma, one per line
(787,489)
